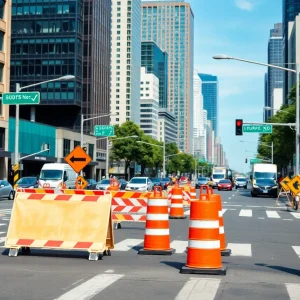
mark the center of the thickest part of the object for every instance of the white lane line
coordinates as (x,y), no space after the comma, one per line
(187,213)
(2,239)
(272,214)
(296,215)
(234,205)
(224,210)
(2,232)
(287,219)
(109,271)
(253,206)
(297,250)
(261,218)
(2,224)
(5,219)
(240,249)
(226,202)
(90,288)
(232,209)
(293,290)
(228,199)
(232,195)
(179,246)
(245,213)
(127,244)
(199,288)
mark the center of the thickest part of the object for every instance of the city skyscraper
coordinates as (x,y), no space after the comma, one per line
(170,24)
(156,62)
(210,92)
(275,76)
(125,61)
(290,8)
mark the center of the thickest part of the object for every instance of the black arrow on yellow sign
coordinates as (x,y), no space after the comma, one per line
(296,185)
(285,182)
(77,159)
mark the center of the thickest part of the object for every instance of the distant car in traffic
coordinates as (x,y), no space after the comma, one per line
(123,184)
(143,184)
(165,181)
(156,181)
(225,184)
(6,190)
(201,181)
(27,182)
(240,182)
(183,180)
(91,184)
(103,184)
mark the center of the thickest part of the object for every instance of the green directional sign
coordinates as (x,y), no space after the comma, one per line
(21,98)
(255,161)
(257,128)
(104,130)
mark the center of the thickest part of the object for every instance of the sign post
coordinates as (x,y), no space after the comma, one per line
(252,128)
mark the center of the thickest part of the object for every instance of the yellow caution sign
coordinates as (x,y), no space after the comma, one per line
(81,183)
(294,185)
(284,183)
(16,174)
(76,222)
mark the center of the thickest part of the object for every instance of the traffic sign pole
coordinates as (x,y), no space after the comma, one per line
(17,128)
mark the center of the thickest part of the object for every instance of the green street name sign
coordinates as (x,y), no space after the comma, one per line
(104,130)
(255,161)
(257,128)
(21,98)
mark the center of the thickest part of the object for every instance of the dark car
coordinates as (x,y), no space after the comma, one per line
(267,187)
(241,182)
(201,181)
(28,182)
(225,184)
(166,182)
(156,182)
(91,184)
(123,184)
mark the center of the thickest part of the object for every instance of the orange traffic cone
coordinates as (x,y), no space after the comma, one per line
(157,233)
(224,251)
(177,211)
(203,253)
(193,193)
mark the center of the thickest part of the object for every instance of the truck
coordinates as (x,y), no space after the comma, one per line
(264,180)
(219,173)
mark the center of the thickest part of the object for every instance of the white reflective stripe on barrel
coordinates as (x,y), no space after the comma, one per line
(204,244)
(157,231)
(157,202)
(177,197)
(221,230)
(157,217)
(178,205)
(220,213)
(193,194)
(204,224)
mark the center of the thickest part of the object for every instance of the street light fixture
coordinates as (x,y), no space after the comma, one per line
(267,145)
(268,108)
(19,89)
(297,72)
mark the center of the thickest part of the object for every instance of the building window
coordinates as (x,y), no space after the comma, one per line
(1,72)
(91,151)
(76,143)
(2,138)
(67,147)
(1,40)
(2,3)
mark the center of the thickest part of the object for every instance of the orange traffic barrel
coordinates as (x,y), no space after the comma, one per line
(204,192)
(203,252)
(157,232)
(224,251)
(193,193)
(176,210)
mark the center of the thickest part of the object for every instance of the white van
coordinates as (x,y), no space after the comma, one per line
(55,175)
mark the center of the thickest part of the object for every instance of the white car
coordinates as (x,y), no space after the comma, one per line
(142,184)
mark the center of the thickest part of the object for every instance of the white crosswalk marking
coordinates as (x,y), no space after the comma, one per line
(127,244)
(297,250)
(187,213)
(240,249)
(245,213)
(293,290)
(90,288)
(224,210)
(2,239)
(179,246)
(296,215)
(272,214)
(199,288)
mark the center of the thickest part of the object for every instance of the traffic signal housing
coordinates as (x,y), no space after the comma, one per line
(84,149)
(246,160)
(238,127)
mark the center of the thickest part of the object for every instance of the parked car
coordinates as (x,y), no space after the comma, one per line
(201,181)
(166,182)
(240,182)
(27,182)
(123,184)
(103,184)
(6,190)
(91,184)
(225,184)
(140,184)
(156,181)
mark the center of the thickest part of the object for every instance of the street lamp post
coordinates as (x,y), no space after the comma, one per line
(19,89)
(297,72)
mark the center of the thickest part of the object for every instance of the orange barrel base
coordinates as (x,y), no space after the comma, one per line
(179,217)
(156,252)
(226,252)
(188,270)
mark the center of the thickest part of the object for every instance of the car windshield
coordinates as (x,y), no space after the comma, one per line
(91,181)
(155,179)
(225,181)
(264,175)
(241,179)
(166,179)
(138,180)
(218,176)
(105,181)
(51,174)
(265,182)
(27,180)
(202,179)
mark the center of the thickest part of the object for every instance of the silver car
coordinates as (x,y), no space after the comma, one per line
(103,184)
(142,184)
(6,190)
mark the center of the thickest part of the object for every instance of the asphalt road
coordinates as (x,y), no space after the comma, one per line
(264,264)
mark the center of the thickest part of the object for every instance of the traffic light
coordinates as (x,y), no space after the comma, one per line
(246,160)
(238,127)
(84,149)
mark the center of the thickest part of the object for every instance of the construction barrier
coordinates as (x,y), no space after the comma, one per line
(157,232)
(176,210)
(62,191)
(61,221)
(193,194)
(203,252)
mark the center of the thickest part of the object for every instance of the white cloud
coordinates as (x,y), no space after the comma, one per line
(244,4)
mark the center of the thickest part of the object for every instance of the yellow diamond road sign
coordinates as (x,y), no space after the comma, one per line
(284,183)
(294,185)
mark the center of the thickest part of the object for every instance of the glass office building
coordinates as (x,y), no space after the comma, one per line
(170,24)
(156,62)
(210,92)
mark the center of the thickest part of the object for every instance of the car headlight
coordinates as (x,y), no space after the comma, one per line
(275,187)
(255,186)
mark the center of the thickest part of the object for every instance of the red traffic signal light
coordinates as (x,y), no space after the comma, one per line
(238,127)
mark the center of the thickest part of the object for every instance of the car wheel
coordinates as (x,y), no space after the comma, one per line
(11,195)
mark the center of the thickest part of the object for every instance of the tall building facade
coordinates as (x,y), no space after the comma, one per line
(125,61)
(170,24)
(166,126)
(210,92)
(275,57)
(156,62)
(290,8)
(149,103)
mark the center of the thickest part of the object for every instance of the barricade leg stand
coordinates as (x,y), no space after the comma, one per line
(203,253)
(177,211)
(157,233)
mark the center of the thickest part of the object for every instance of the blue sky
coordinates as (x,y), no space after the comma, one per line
(239,28)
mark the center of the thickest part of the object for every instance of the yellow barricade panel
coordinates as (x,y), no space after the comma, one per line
(61,221)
